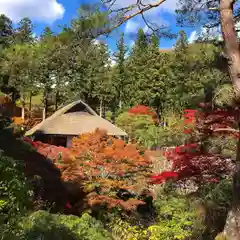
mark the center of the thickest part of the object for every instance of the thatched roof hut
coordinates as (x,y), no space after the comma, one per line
(72,120)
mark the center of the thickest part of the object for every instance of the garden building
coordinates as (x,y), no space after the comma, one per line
(70,121)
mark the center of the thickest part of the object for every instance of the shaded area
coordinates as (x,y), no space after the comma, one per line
(41,172)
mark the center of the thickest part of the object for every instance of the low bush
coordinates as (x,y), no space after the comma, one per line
(45,226)
(216,199)
(177,219)
(122,230)
(142,129)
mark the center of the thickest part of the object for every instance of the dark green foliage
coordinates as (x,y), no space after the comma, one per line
(216,200)
(47,32)
(24,32)
(44,177)
(56,227)
(120,75)
(177,218)
(6,32)
(15,194)
(182,42)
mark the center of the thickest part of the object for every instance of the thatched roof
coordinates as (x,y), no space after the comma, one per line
(74,119)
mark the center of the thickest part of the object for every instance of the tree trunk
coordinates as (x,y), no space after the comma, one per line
(30,105)
(45,108)
(120,104)
(45,102)
(101,108)
(23,112)
(232,227)
(56,101)
(158,114)
(44,113)
(231,43)
(113,108)
(104,111)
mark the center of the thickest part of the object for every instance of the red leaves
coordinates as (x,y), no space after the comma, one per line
(143,110)
(68,205)
(189,116)
(188,161)
(158,179)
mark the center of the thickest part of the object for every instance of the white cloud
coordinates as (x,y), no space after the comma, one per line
(205,34)
(38,10)
(131,44)
(96,41)
(113,62)
(193,37)
(132,26)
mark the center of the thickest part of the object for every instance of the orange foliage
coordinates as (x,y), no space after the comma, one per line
(109,164)
(17,120)
(105,166)
(143,110)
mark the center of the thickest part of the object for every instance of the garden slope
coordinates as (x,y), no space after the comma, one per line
(48,185)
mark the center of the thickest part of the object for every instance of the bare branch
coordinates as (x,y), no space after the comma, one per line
(140,11)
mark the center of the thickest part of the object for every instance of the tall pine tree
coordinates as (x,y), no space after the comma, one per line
(120,81)
(136,68)
(24,32)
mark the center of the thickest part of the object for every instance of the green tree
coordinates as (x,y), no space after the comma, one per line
(136,68)
(120,72)
(15,195)
(24,32)
(156,83)
(182,42)
(103,89)
(6,31)
(20,65)
(47,32)
(6,39)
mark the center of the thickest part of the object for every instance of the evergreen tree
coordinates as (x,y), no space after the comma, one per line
(6,31)
(157,83)
(6,40)
(103,89)
(142,41)
(47,32)
(136,68)
(182,42)
(21,67)
(24,33)
(120,72)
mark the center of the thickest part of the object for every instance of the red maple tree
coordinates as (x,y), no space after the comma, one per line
(193,161)
(143,110)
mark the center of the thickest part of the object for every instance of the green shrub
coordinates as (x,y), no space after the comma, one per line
(224,95)
(122,230)
(177,219)
(217,199)
(143,130)
(15,195)
(45,226)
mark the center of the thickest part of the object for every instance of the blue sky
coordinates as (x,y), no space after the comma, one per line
(55,13)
